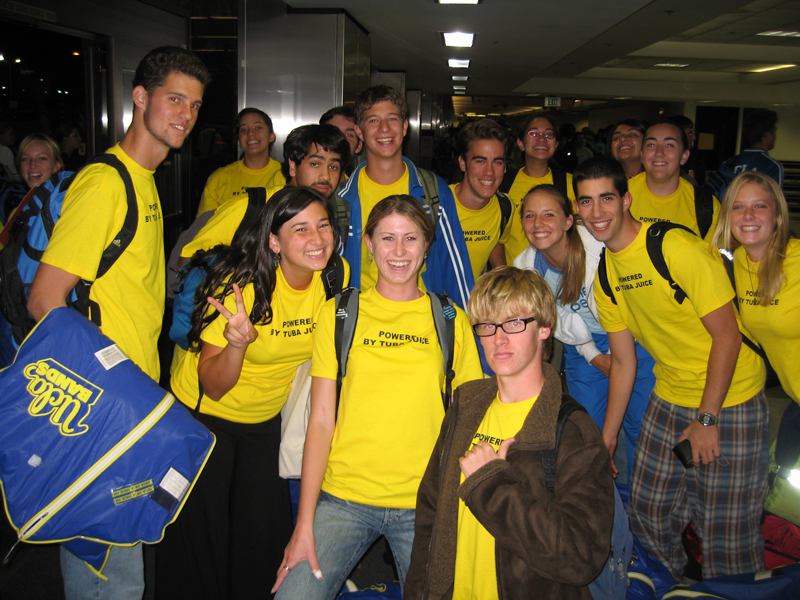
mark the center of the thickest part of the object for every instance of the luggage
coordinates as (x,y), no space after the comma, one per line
(92,452)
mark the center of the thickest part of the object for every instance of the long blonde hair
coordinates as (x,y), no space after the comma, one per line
(770,269)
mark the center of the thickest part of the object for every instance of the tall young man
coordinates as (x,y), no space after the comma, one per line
(708,385)
(660,193)
(481,147)
(382,123)
(167,94)
(486,525)
(538,140)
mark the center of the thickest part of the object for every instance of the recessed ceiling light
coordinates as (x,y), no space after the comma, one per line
(458,39)
(533,95)
(674,65)
(458,63)
(622,98)
(458,1)
(460,78)
(780,33)
(773,68)
(459,87)
(459,93)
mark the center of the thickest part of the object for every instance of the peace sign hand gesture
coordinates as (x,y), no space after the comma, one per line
(239,331)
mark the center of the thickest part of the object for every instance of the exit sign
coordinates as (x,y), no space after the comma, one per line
(552,102)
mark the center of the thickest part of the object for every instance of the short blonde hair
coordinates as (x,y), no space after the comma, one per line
(507,292)
(770,268)
(55,151)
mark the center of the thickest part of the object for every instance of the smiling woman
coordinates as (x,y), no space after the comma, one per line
(251,328)
(38,157)
(366,450)
(255,168)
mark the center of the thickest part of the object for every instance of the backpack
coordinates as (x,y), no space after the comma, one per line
(444,315)
(184,294)
(430,199)
(654,242)
(612,582)
(717,183)
(30,234)
(703,209)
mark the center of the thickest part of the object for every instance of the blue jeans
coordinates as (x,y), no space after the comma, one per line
(343,532)
(124,569)
(590,387)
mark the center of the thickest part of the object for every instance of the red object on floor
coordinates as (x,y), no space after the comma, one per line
(781,542)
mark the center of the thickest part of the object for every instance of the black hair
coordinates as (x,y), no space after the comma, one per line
(345,111)
(299,142)
(161,62)
(600,167)
(549,116)
(681,134)
(253,111)
(640,126)
(755,123)
(484,129)
(248,259)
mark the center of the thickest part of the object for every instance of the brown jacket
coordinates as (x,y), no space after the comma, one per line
(544,548)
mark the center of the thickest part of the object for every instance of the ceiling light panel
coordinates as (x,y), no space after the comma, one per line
(458,39)
(458,63)
(460,78)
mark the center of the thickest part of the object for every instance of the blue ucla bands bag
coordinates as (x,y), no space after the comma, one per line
(92,452)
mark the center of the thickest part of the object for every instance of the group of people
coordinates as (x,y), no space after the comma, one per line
(652,347)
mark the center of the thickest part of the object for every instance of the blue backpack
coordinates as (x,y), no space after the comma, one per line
(30,234)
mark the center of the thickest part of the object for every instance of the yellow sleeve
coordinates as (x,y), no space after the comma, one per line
(211,197)
(609,313)
(220,228)
(93,212)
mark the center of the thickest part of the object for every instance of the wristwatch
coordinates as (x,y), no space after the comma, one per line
(707,419)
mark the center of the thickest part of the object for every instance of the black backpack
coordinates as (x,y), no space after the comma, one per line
(444,315)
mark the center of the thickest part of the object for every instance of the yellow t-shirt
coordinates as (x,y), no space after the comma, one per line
(777,326)
(390,410)
(270,362)
(476,577)
(672,333)
(232,180)
(221,228)
(481,231)
(277,180)
(131,294)
(675,208)
(519,189)
(370,193)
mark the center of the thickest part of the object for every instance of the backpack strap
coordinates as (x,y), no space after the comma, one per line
(430,198)
(505,210)
(342,213)
(703,209)
(333,276)
(727,260)
(256,199)
(654,241)
(602,273)
(508,179)
(346,319)
(444,319)
(559,179)
(87,307)
(548,456)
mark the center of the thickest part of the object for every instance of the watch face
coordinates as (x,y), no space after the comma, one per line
(707,419)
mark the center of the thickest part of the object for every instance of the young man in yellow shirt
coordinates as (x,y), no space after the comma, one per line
(486,524)
(484,212)
(708,385)
(167,94)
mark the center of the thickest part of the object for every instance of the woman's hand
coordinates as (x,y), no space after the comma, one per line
(239,331)
(300,548)
(602,362)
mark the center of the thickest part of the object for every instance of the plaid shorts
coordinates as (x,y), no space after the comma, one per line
(723,499)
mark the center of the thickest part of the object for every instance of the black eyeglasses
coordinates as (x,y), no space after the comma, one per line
(512,326)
